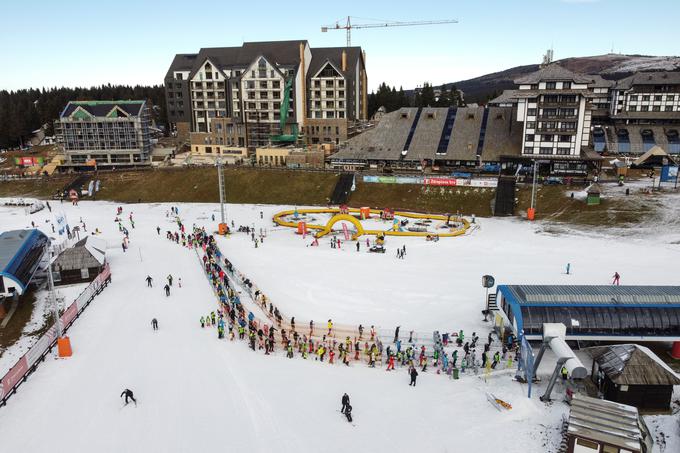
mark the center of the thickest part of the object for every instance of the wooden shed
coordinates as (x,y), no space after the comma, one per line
(593,195)
(80,263)
(632,374)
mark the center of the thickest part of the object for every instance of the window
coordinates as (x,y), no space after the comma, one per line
(531,112)
(550,85)
(534,86)
(588,444)
(644,108)
(329,94)
(276,84)
(563,151)
(656,108)
(528,150)
(645,98)
(670,97)
(632,108)
(668,108)
(565,138)
(84,273)
(531,125)
(529,138)
(633,97)
(657,97)
(545,150)
(566,85)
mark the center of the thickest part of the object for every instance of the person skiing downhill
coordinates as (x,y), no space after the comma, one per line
(169,279)
(167,290)
(345,402)
(128,396)
(148,281)
(617,278)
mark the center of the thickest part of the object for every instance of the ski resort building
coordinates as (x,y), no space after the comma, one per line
(633,374)
(104,134)
(80,263)
(593,312)
(21,252)
(414,138)
(277,92)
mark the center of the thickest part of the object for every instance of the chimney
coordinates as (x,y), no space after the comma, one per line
(344,60)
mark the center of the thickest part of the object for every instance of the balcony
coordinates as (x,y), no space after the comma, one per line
(556,130)
(559,116)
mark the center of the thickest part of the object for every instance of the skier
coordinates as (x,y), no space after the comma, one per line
(330,326)
(345,402)
(348,413)
(154,324)
(169,279)
(617,278)
(358,246)
(128,396)
(202,322)
(167,290)
(568,268)
(148,281)
(158,230)
(396,334)
(414,375)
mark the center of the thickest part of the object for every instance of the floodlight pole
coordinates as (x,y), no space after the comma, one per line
(533,188)
(52,300)
(220,179)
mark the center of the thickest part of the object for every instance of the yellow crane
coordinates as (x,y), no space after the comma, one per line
(348,25)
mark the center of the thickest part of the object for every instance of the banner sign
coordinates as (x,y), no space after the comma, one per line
(29,161)
(669,173)
(434,181)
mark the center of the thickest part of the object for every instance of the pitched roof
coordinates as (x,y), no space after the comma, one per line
(649,78)
(552,72)
(88,252)
(322,55)
(285,53)
(653,151)
(599,82)
(181,62)
(632,364)
(103,108)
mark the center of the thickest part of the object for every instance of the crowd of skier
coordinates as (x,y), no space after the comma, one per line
(334,345)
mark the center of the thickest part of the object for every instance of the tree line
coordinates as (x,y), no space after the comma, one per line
(428,96)
(23,111)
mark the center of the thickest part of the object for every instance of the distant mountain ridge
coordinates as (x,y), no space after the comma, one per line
(609,66)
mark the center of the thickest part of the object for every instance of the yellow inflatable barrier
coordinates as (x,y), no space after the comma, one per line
(323,230)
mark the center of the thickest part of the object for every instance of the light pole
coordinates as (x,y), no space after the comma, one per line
(532,210)
(51,299)
(222,228)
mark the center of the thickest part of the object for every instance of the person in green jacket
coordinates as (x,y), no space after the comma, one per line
(202,322)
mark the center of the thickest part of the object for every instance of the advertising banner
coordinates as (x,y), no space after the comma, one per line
(669,173)
(441,182)
(13,376)
(29,161)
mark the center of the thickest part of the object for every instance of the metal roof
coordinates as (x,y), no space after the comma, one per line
(632,364)
(11,243)
(604,421)
(606,295)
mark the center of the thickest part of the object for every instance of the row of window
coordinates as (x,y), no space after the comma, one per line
(325,130)
(547,151)
(547,138)
(328,114)
(552,86)
(655,108)
(646,97)
(340,83)
(553,112)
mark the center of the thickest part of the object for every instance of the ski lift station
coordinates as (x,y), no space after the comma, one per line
(21,252)
(594,312)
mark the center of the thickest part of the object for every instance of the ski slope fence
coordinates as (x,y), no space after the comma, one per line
(29,362)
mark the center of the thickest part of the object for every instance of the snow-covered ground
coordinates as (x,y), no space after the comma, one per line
(197,393)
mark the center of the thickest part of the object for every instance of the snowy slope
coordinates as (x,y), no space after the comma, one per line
(197,393)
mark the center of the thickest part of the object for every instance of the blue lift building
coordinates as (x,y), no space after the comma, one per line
(21,252)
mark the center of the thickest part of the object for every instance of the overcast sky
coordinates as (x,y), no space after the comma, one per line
(46,43)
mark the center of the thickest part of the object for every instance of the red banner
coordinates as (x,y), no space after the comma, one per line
(440,182)
(14,375)
(69,314)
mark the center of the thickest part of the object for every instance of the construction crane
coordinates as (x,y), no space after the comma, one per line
(349,26)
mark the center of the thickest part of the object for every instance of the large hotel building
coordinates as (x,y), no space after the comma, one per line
(266,93)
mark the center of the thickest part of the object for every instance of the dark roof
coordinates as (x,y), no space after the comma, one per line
(593,295)
(86,253)
(649,78)
(181,62)
(11,243)
(322,55)
(20,254)
(599,82)
(631,364)
(507,96)
(388,138)
(102,108)
(286,53)
(553,72)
